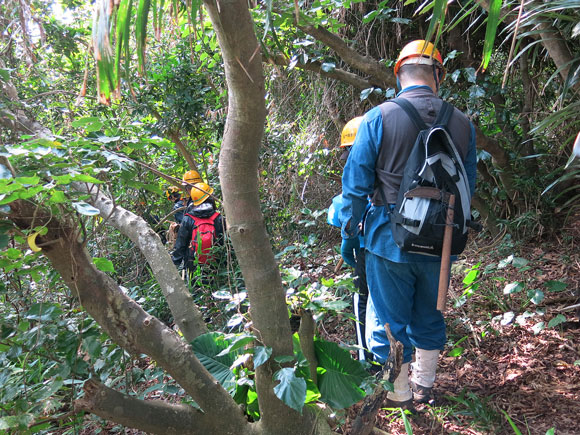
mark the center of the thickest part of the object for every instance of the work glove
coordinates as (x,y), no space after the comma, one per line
(348,250)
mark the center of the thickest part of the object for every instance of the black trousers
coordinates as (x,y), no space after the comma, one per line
(359,303)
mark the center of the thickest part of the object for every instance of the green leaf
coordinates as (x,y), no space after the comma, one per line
(141,31)
(536,296)
(519,262)
(239,342)
(57,197)
(341,376)
(472,275)
(85,209)
(560,318)
(476,92)
(122,37)
(437,18)
(104,265)
(470,75)
(327,282)
(291,390)
(505,262)
(44,312)
(261,355)
(512,424)
(85,178)
(551,430)
(513,287)
(490,31)
(538,327)
(27,181)
(13,253)
(5,74)
(16,421)
(207,347)
(457,351)
(90,123)
(4,240)
(365,93)
(407,423)
(556,286)
(328,67)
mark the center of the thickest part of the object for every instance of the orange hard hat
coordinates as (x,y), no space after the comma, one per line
(419,52)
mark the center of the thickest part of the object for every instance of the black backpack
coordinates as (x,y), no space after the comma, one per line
(433,171)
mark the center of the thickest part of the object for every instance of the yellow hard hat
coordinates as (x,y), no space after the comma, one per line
(419,52)
(349,132)
(171,190)
(200,192)
(192,177)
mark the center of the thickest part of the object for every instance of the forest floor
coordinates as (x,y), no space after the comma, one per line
(507,364)
(501,366)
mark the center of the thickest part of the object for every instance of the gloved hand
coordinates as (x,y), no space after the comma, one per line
(348,249)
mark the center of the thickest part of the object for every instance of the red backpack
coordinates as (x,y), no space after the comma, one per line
(202,237)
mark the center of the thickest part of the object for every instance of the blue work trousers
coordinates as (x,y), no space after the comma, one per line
(404,295)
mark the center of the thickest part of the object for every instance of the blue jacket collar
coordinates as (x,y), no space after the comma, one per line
(411,88)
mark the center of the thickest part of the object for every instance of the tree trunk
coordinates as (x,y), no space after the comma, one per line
(124,320)
(238,177)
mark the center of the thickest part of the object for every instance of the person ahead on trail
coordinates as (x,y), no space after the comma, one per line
(189,179)
(201,228)
(359,298)
(403,286)
(173,194)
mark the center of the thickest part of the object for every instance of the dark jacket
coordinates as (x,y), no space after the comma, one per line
(178,215)
(182,252)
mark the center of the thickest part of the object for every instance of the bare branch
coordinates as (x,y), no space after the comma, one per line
(336,74)
(151,416)
(379,74)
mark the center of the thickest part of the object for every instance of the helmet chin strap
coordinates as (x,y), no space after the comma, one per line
(399,84)
(436,77)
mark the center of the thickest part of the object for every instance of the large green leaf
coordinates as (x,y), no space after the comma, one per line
(339,376)
(206,348)
(490,31)
(437,19)
(122,38)
(44,312)
(291,389)
(141,31)
(103,51)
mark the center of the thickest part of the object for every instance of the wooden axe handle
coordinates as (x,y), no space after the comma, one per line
(339,265)
(446,256)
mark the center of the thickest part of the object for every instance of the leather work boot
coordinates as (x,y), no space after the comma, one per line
(422,394)
(405,405)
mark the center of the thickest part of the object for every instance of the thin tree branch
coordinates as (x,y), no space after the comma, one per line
(151,416)
(336,74)
(378,72)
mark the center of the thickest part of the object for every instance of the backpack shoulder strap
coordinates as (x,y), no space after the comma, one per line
(214,216)
(444,114)
(411,112)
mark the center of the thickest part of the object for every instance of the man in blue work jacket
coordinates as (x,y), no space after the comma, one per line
(403,286)
(361,296)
